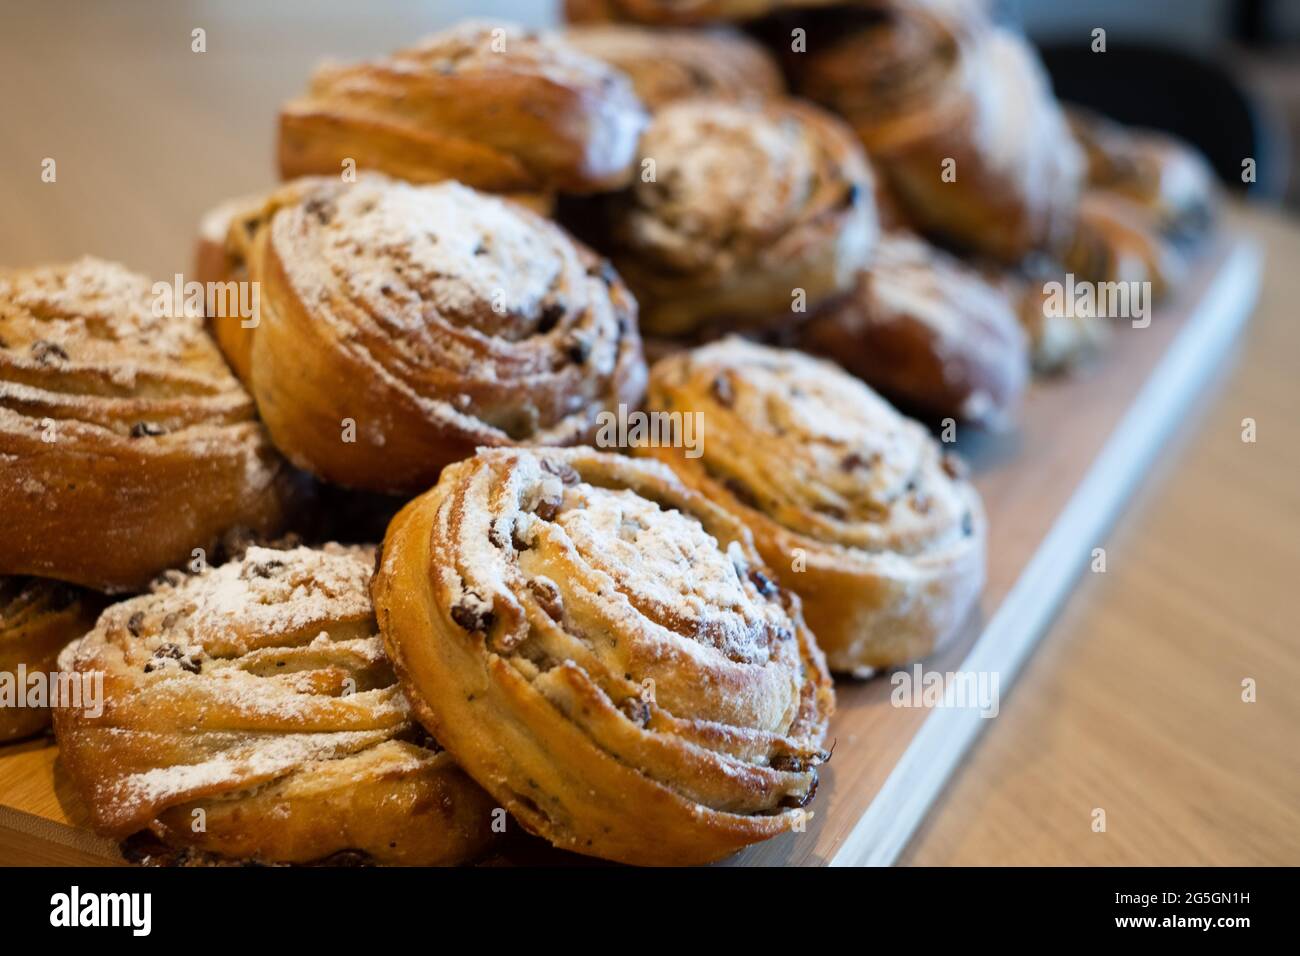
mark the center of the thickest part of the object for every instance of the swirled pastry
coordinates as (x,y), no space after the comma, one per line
(1163,175)
(249,712)
(956,114)
(491,105)
(1062,337)
(221,255)
(670,65)
(855,507)
(929,333)
(126,442)
(746,212)
(37,620)
(402,326)
(603,651)
(1115,240)
(679,12)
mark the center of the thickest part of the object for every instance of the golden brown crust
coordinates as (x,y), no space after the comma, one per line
(670,65)
(1164,176)
(1115,241)
(126,441)
(490,105)
(602,650)
(855,507)
(37,620)
(249,711)
(929,84)
(928,332)
(748,212)
(1060,340)
(434,319)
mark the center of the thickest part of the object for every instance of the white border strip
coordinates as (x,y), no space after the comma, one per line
(884,829)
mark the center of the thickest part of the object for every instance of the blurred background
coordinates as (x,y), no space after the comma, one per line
(1222,73)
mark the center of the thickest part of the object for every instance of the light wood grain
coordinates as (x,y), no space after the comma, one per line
(148,135)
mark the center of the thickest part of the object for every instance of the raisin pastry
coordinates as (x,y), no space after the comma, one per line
(126,441)
(1167,178)
(929,333)
(670,65)
(491,105)
(249,713)
(679,12)
(1115,240)
(402,326)
(956,114)
(856,508)
(1063,337)
(748,213)
(221,255)
(37,620)
(603,651)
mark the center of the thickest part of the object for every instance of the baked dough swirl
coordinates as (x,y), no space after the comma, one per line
(749,205)
(855,507)
(670,65)
(126,442)
(1115,240)
(928,332)
(37,620)
(258,693)
(603,651)
(933,88)
(491,105)
(1168,179)
(435,318)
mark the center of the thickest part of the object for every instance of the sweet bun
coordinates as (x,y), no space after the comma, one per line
(957,115)
(493,106)
(603,651)
(670,65)
(928,332)
(126,440)
(755,211)
(856,508)
(249,714)
(403,326)
(37,620)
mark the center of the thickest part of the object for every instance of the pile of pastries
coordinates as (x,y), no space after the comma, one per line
(364,576)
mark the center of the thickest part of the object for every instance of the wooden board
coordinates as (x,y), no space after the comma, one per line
(1051,489)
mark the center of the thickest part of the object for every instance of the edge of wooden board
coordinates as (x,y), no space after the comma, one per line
(885,828)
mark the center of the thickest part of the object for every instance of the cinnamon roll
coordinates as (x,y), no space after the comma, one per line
(402,326)
(248,713)
(957,115)
(221,255)
(37,620)
(746,212)
(604,652)
(491,105)
(929,333)
(670,65)
(1062,338)
(1115,241)
(856,508)
(1161,174)
(126,441)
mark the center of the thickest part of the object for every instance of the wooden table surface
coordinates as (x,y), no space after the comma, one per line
(1132,704)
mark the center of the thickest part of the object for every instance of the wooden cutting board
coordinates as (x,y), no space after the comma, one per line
(1051,490)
